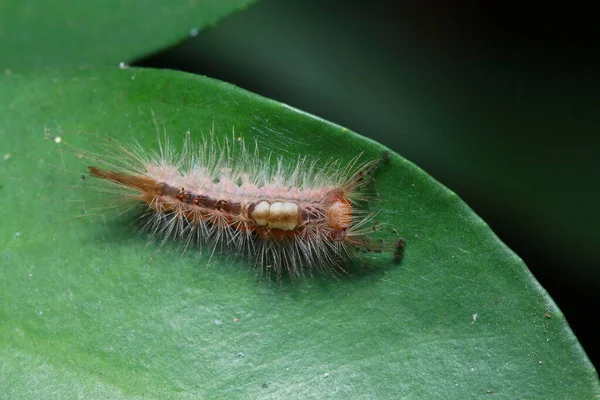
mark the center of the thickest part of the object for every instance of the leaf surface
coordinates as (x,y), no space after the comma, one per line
(88,307)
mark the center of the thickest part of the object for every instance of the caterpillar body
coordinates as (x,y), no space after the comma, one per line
(290,219)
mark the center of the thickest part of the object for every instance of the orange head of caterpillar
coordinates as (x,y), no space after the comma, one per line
(340,219)
(338,211)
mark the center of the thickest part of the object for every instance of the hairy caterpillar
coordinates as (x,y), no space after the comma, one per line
(288,219)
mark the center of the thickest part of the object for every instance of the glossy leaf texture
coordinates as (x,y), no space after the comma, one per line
(90,308)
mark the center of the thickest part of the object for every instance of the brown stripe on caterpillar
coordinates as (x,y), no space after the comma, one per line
(141,183)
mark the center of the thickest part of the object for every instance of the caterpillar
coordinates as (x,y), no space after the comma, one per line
(287,218)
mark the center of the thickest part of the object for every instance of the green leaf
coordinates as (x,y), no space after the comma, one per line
(66,33)
(88,308)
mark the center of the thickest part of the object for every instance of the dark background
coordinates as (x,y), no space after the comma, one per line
(498,102)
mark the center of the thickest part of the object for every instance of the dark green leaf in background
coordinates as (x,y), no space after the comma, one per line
(89,309)
(68,33)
